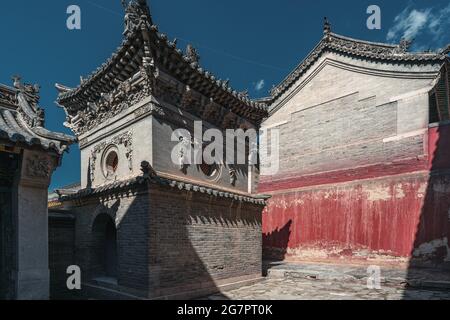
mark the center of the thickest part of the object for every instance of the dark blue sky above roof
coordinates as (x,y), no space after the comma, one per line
(253,43)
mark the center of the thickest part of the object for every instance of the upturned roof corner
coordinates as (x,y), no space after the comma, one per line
(22,120)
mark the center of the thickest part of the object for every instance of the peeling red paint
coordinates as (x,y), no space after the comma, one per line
(390,209)
(293,181)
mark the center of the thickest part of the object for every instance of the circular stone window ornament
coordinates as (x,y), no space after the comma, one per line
(110,163)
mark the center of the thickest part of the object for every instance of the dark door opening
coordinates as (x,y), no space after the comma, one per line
(104,247)
(8,171)
(110,249)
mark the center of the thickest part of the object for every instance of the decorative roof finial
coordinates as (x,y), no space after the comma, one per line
(17,81)
(326,26)
(136,11)
(147,170)
(192,54)
(30,90)
(404,45)
(446,50)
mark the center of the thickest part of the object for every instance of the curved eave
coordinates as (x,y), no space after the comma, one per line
(21,141)
(355,48)
(175,58)
(99,74)
(116,187)
(204,81)
(14,131)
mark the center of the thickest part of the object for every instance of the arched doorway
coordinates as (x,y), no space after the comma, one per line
(105,247)
(110,247)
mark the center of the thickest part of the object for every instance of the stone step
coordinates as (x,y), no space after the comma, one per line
(393,278)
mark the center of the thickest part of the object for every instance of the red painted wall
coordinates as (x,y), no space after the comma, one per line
(386,210)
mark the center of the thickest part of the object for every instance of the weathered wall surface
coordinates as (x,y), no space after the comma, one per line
(356,154)
(164,146)
(342,118)
(390,216)
(170,243)
(130,133)
(335,76)
(198,242)
(130,215)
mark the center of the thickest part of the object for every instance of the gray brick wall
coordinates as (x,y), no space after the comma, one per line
(344,133)
(171,241)
(196,239)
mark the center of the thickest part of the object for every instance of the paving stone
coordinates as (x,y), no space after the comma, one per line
(336,287)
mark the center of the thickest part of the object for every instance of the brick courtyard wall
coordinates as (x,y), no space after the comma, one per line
(391,212)
(198,241)
(170,243)
(361,174)
(130,215)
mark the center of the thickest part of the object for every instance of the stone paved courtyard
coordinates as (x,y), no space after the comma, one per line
(334,282)
(301,289)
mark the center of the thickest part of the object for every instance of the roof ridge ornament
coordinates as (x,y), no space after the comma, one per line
(404,45)
(28,98)
(191,54)
(326,26)
(136,12)
(446,50)
(31,91)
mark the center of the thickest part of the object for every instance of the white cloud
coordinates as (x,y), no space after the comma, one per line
(412,22)
(409,23)
(260,85)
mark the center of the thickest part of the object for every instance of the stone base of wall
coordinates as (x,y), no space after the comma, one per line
(193,291)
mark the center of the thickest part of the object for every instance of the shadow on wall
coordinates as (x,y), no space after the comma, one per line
(431,248)
(275,243)
(126,250)
(169,243)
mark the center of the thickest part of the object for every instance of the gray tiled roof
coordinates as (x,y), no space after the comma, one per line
(22,120)
(332,42)
(152,178)
(127,59)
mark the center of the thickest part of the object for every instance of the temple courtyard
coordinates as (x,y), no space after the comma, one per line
(291,281)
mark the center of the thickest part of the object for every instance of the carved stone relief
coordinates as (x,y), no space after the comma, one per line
(125,139)
(38,166)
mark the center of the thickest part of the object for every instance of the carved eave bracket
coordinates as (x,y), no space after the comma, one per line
(37,168)
(109,104)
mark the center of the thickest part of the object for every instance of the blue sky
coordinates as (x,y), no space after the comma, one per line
(253,43)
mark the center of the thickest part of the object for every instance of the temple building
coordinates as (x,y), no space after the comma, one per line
(29,153)
(141,225)
(364,155)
